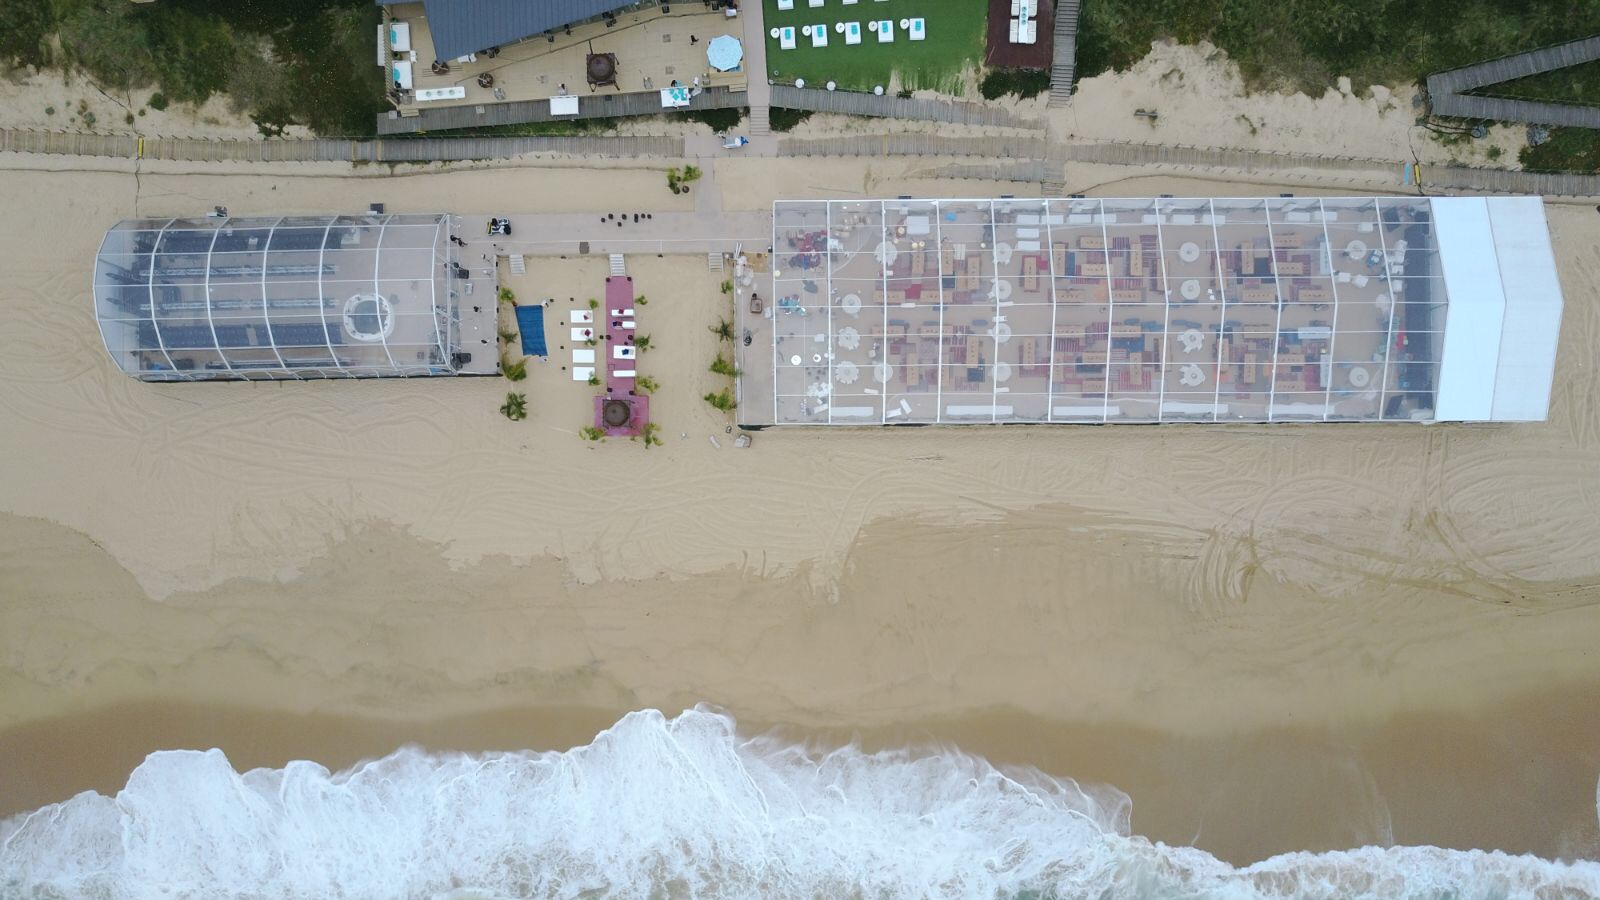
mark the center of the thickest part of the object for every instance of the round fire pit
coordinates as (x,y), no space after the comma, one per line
(616,413)
(602,68)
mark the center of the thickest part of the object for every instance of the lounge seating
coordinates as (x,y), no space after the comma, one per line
(885,30)
(786,38)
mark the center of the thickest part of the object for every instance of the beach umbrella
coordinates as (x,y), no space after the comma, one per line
(724,53)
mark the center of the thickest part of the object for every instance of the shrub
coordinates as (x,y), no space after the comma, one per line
(591,433)
(158,101)
(1567,150)
(642,343)
(640,300)
(722,366)
(718,119)
(515,371)
(1024,83)
(49,110)
(651,435)
(647,384)
(782,119)
(594,380)
(507,336)
(506,296)
(128,119)
(723,330)
(515,408)
(727,286)
(723,400)
(25,38)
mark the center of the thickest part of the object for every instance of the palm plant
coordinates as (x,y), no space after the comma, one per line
(723,329)
(515,371)
(640,300)
(594,380)
(723,400)
(647,384)
(651,435)
(642,343)
(591,433)
(507,336)
(506,296)
(727,286)
(515,408)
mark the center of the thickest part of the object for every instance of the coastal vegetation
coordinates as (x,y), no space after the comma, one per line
(723,366)
(516,407)
(1023,83)
(515,371)
(294,62)
(1307,46)
(722,400)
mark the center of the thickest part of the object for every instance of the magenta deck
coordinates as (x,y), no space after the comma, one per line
(620,382)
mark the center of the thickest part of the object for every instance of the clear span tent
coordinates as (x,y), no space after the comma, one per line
(1153,310)
(266,298)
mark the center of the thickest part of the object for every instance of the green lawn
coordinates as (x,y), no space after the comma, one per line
(955,41)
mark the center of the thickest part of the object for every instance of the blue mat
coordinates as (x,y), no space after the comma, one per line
(530,321)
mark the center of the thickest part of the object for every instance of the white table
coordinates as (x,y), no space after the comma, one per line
(454,92)
(1189,252)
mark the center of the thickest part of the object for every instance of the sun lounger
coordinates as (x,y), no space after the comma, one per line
(852,32)
(582,334)
(624,373)
(885,31)
(814,4)
(917,30)
(819,35)
(786,38)
(583,355)
(582,373)
(1011,34)
(785,4)
(581,316)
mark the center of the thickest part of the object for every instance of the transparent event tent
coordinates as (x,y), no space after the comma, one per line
(278,298)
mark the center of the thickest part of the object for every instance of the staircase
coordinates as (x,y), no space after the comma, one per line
(519,264)
(617,268)
(759,123)
(714,262)
(1065,59)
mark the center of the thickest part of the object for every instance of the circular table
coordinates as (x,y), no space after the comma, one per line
(1002,333)
(1359,377)
(774,33)
(905,23)
(1002,253)
(1190,289)
(1356,249)
(846,372)
(805,30)
(1002,372)
(1191,340)
(1189,252)
(886,253)
(882,372)
(1002,289)
(849,338)
(1191,375)
(838,28)
(795,360)
(816,357)
(851,304)
(1382,301)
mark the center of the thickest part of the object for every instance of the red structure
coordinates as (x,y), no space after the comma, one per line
(621,411)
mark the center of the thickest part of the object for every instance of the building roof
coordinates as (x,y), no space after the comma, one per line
(1153,310)
(460,27)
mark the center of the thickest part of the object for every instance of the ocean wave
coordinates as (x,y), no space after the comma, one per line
(681,807)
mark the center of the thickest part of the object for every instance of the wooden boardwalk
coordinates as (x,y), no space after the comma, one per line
(601,105)
(1024,158)
(855,103)
(1064,69)
(1446,97)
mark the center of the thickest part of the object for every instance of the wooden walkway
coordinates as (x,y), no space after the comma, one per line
(1023,158)
(1063,71)
(1446,97)
(1001,148)
(600,105)
(854,103)
(332,150)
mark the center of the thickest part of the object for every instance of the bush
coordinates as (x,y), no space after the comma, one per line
(782,119)
(647,384)
(158,101)
(109,44)
(194,52)
(718,119)
(723,366)
(25,36)
(591,433)
(723,400)
(506,296)
(1024,83)
(1567,150)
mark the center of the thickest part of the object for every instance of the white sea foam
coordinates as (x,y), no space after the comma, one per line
(681,807)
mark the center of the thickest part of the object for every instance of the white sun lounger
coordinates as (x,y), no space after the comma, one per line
(583,355)
(582,334)
(819,35)
(582,316)
(814,4)
(885,31)
(786,38)
(785,4)
(582,373)
(852,33)
(918,32)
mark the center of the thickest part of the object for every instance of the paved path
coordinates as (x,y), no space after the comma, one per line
(1446,98)
(698,233)
(758,93)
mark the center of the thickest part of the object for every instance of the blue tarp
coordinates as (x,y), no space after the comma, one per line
(530,321)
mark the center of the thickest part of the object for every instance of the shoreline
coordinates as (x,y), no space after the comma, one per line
(1421,779)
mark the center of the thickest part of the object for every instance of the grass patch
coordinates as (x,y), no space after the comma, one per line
(1308,45)
(782,119)
(1024,83)
(559,128)
(955,42)
(1567,150)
